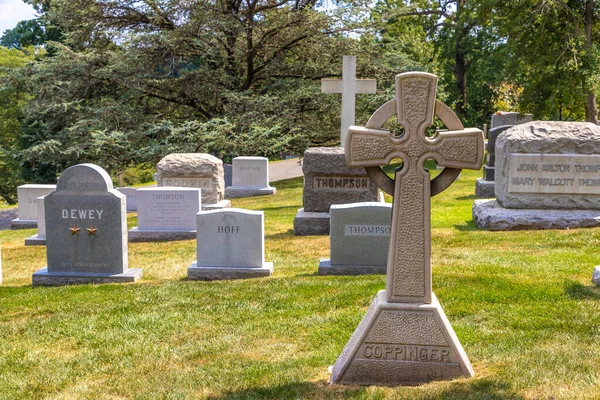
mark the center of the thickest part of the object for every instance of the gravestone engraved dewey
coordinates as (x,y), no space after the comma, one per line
(359,239)
(250,178)
(405,337)
(195,170)
(86,231)
(230,245)
(547,176)
(27,195)
(166,213)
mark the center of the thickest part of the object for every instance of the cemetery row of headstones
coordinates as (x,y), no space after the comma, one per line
(87,241)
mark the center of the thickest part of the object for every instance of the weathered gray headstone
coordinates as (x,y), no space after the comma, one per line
(596,275)
(405,337)
(546,177)
(501,121)
(166,213)
(39,239)
(131,197)
(86,231)
(26,197)
(329,181)
(230,245)
(349,87)
(250,178)
(359,239)
(502,118)
(195,170)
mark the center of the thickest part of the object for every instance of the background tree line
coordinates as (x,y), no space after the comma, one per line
(122,82)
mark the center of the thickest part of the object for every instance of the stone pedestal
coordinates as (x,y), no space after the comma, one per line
(402,344)
(327,181)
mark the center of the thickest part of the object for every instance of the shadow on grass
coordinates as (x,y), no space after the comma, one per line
(472,389)
(281,235)
(288,183)
(467,227)
(470,197)
(577,291)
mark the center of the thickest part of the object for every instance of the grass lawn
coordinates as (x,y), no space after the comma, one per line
(521,303)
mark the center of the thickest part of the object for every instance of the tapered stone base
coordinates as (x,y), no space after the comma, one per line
(44,278)
(147,235)
(201,273)
(401,344)
(485,189)
(234,192)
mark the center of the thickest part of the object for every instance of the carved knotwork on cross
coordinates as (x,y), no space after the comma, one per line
(409,259)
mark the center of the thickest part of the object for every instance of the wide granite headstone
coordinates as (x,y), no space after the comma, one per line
(131,197)
(230,245)
(250,178)
(27,198)
(501,121)
(359,239)
(166,213)
(547,176)
(39,239)
(195,170)
(405,337)
(329,181)
(86,231)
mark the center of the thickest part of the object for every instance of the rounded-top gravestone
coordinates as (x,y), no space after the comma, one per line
(86,230)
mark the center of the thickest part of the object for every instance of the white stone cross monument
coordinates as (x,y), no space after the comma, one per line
(348,86)
(405,337)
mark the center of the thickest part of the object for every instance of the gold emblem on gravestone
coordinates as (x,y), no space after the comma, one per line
(74,230)
(92,231)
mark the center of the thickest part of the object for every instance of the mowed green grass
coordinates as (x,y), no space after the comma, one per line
(521,303)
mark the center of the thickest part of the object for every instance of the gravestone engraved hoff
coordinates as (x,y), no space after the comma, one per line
(195,170)
(131,197)
(359,239)
(26,196)
(405,337)
(39,239)
(86,231)
(250,178)
(328,181)
(230,245)
(547,176)
(348,86)
(166,213)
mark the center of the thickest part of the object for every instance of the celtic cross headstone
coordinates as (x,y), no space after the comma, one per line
(405,337)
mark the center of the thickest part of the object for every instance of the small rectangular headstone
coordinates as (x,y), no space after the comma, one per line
(250,178)
(166,213)
(86,231)
(230,245)
(359,239)
(39,239)
(502,118)
(131,197)
(27,198)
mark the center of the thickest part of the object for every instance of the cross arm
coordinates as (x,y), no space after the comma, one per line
(369,147)
(459,149)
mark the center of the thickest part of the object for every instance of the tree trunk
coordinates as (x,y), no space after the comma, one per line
(461,65)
